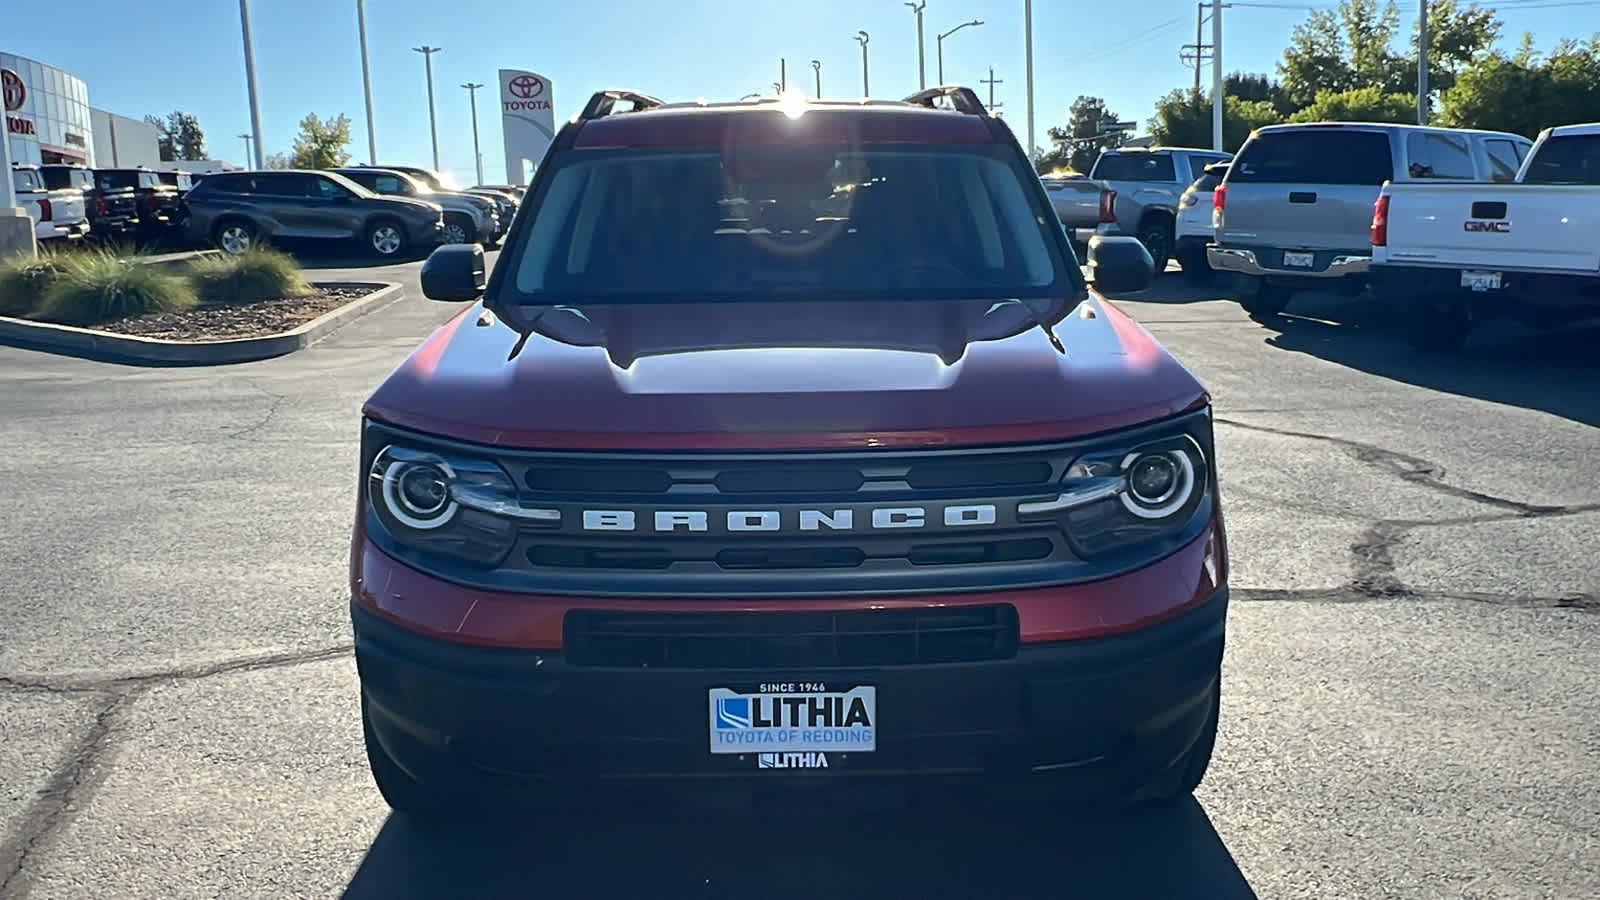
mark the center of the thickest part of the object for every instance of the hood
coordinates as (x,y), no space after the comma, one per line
(406,201)
(778,375)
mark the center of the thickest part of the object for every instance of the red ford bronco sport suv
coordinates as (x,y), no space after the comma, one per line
(787,440)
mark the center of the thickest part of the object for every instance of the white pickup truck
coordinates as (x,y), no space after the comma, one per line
(58,215)
(1458,254)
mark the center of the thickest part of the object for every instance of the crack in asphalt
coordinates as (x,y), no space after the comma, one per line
(272,411)
(1372,555)
(45,812)
(72,782)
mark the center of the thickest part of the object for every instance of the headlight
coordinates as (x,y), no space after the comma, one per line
(448,504)
(1116,499)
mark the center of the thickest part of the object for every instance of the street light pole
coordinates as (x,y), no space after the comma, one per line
(816,66)
(783,74)
(250,78)
(922,66)
(472,92)
(427,56)
(1422,63)
(366,83)
(863,37)
(940,42)
(1027,25)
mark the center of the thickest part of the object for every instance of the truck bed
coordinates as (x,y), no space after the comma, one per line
(1502,227)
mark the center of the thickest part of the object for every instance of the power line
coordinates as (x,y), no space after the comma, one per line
(1136,38)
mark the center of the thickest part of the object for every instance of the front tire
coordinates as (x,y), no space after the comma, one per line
(386,239)
(458,229)
(234,236)
(1180,779)
(436,801)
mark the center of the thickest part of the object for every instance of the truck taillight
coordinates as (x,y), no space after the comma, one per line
(1219,197)
(45,213)
(1380,222)
(101,207)
(1108,205)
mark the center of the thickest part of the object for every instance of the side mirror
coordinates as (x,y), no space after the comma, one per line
(1119,265)
(455,273)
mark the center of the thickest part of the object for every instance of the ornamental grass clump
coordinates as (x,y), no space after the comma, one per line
(23,283)
(250,277)
(93,288)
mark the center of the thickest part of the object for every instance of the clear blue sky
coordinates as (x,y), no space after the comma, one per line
(160,55)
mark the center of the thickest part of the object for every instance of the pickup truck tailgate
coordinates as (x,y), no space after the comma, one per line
(1523,227)
(67,207)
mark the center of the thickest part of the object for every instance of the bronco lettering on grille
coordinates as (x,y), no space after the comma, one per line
(769,520)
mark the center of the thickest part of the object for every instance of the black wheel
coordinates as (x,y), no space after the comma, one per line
(1196,268)
(1440,328)
(386,239)
(234,236)
(1266,300)
(458,229)
(1181,778)
(441,799)
(1156,236)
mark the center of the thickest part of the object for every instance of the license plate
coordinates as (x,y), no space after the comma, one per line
(795,717)
(1301,260)
(1481,281)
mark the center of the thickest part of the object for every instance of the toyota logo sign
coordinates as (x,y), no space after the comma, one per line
(15,92)
(524,86)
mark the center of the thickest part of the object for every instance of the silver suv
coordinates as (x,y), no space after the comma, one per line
(1294,211)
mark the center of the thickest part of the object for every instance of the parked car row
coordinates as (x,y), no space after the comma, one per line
(392,211)
(71,202)
(1442,225)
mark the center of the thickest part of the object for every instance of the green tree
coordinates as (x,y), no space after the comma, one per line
(1364,104)
(1524,92)
(1354,47)
(1079,144)
(179,136)
(321,144)
(278,161)
(1183,119)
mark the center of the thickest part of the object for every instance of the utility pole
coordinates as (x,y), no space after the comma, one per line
(862,37)
(816,66)
(1199,52)
(246,150)
(1027,25)
(1422,63)
(477,155)
(991,81)
(783,75)
(427,57)
(366,83)
(922,65)
(250,78)
(1216,73)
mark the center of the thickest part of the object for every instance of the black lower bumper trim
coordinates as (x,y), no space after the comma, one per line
(1114,708)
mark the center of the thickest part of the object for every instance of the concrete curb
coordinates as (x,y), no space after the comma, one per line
(103,346)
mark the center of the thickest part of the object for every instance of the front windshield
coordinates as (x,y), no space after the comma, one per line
(760,222)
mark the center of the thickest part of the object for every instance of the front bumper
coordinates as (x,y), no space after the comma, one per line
(428,234)
(1259,262)
(1110,710)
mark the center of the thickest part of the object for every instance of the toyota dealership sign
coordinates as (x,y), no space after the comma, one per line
(528,118)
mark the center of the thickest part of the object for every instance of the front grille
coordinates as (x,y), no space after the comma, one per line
(810,640)
(659,553)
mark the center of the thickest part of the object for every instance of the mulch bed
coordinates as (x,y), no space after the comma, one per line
(218,322)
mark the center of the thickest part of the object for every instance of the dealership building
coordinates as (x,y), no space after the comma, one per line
(48,119)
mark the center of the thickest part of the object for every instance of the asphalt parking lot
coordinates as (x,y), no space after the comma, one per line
(1412,691)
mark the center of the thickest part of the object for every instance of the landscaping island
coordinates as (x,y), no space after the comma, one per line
(221,298)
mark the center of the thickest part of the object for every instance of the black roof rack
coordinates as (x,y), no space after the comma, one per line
(963,98)
(604,102)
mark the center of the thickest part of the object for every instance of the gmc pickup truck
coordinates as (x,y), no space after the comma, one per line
(1455,255)
(855,478)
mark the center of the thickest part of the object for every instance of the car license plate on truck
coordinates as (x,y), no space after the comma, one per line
(1481,281)
(794,717)
(1299,260)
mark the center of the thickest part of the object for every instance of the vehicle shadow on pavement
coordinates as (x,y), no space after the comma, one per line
(1554,371)
(1170,852)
